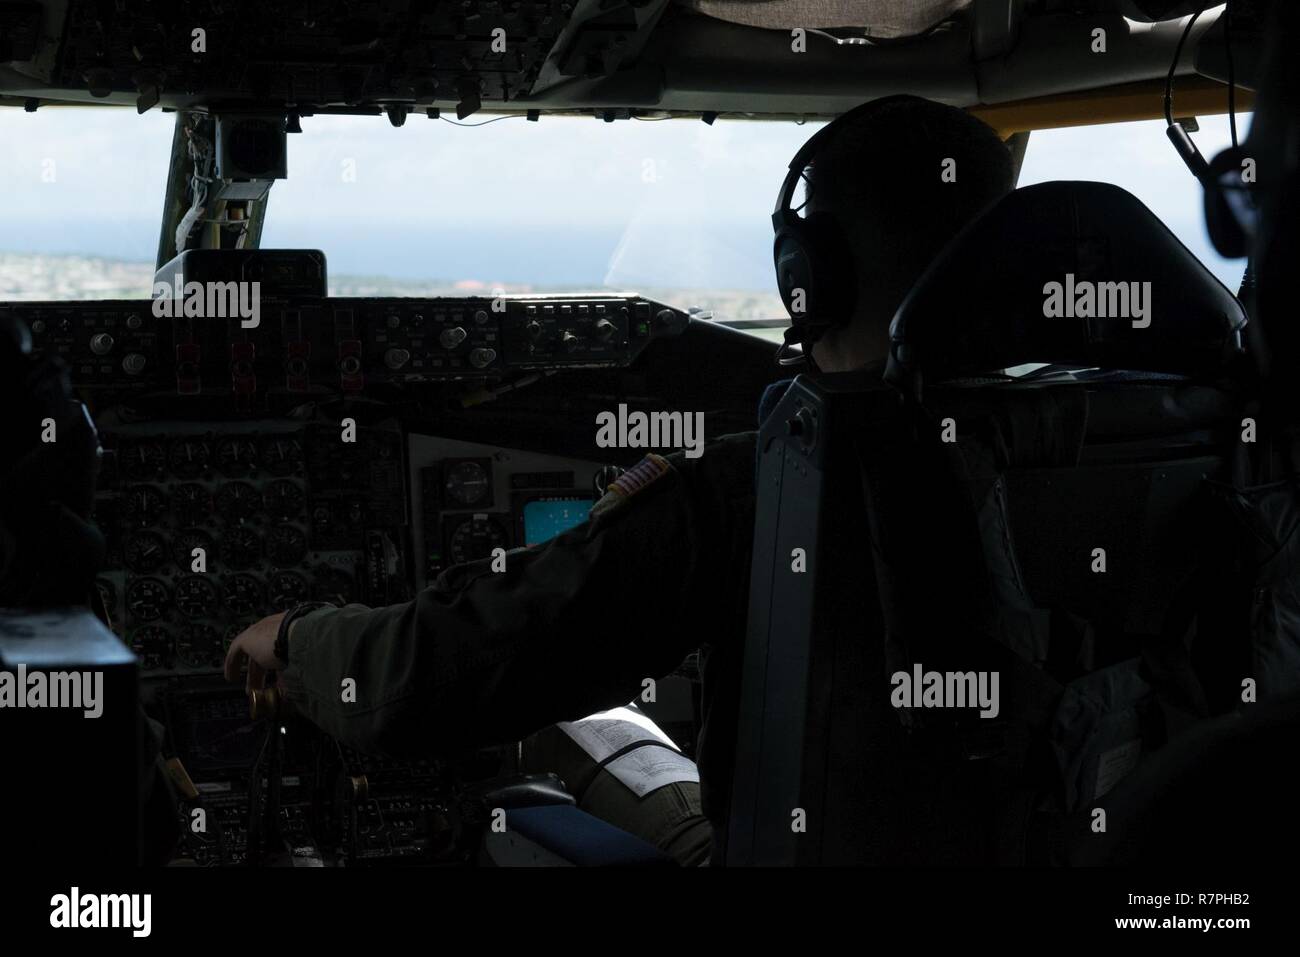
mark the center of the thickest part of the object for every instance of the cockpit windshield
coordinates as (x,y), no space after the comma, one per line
(675,209)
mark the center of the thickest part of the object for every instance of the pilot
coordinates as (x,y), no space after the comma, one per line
(50,549)
(661,568)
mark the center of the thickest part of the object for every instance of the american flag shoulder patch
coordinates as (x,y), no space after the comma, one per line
(636,479)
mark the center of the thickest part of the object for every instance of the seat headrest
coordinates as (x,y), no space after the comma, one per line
(1064,272)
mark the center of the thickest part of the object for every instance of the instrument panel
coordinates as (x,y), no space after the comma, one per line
(216,514)
(309,344)
(211,527)
(474,499)
(285,512)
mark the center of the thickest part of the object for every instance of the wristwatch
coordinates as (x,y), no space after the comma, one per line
(281,646)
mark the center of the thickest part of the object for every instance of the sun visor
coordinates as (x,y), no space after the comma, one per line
(1064,272)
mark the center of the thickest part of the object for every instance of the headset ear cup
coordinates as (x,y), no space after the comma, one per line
(834,275)
(794,277)
(1223,226)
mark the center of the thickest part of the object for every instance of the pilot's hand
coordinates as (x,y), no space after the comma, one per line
(257,644)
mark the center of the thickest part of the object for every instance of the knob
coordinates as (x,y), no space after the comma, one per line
(133,364)
(394,321)
(38,327)
(802,426)
(101,343)
(534,330)
(605,329)
(264,703)
(396,358)
(482,357)
(453,337)
(568,341)
(480,317)
(604,476)
(133,321)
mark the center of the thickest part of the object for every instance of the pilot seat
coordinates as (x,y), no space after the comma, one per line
(1063,529)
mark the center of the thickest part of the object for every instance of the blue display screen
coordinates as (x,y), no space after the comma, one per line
(546,518)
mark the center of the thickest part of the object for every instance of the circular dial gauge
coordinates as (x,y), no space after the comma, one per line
(186,542)
(285,545)
(189,458)
(192,503)
(144,505)
(236,456)
(474,539)
(199,646)
(153,646)
(287,589)
(240,547)
(284,499)
(144,552)
(281,454)
(144,460)
(467,484)
(196,597)
(333,585)
(244,596)
(231,633)
(107,594)
(146,598)
(237,502)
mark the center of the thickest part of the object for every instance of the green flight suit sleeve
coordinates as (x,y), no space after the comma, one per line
(572,626)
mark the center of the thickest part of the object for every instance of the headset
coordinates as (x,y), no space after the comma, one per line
(815,272)
(1231,201)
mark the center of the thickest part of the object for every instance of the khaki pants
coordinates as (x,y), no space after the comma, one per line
(669,817)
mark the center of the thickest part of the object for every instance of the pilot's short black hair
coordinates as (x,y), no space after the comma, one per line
(881,176)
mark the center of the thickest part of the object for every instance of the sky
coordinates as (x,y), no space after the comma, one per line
(563,201)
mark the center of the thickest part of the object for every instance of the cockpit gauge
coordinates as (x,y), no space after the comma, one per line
(230,634)
(192,503)
(475,538)
(240,547)
(196,596)
(153,646)
(144,461)
(144,505)
(467,483)
(285,545)
(144,552)
(237,502)
(184,544)
(244,595)
(107,594)
(281,454)
(189,458)
(284,499)
(236,456)
(199,646)
(287,589)
(146,599)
